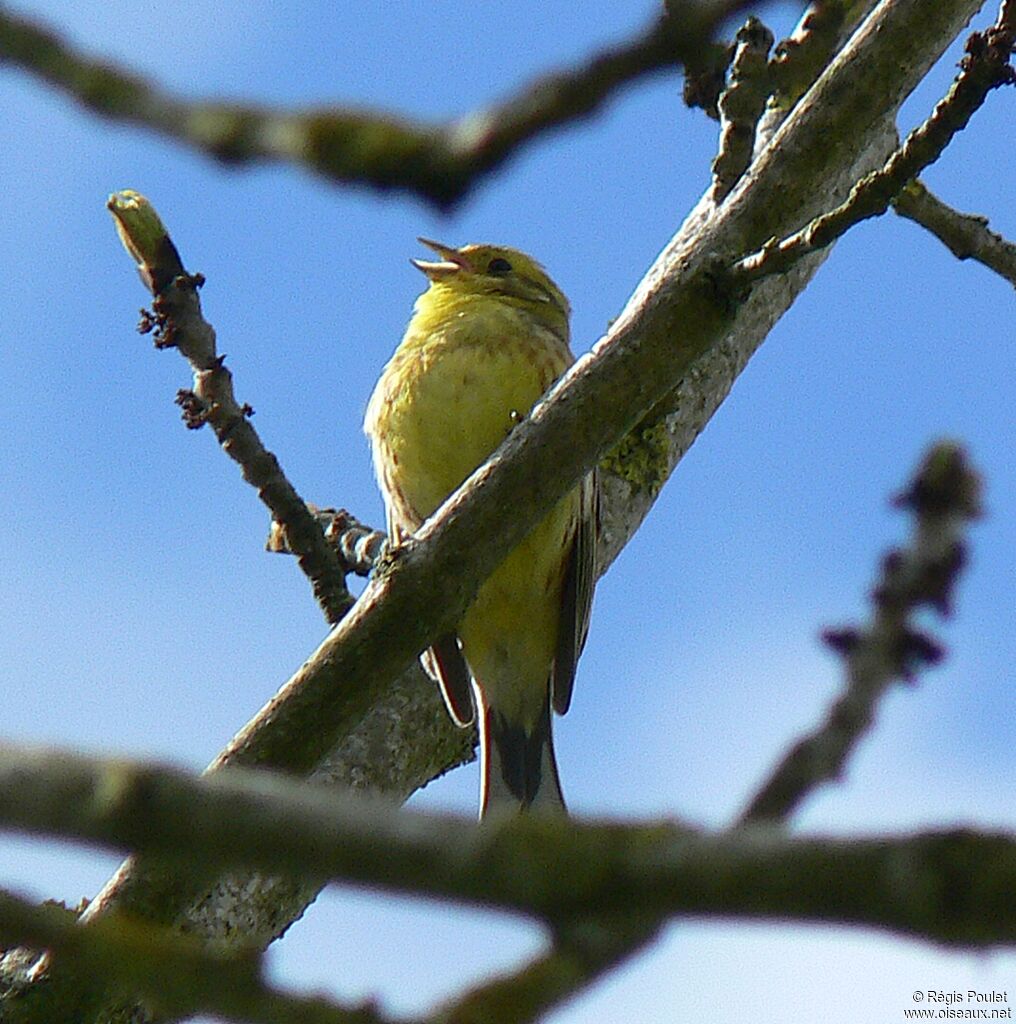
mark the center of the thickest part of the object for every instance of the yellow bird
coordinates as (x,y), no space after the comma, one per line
(487,338)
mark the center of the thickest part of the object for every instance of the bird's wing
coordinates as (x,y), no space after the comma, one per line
(576,594)
(443,660)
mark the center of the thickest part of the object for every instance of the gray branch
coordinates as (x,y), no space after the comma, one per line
(944,497)
(441,163)
(956,887)
(985,66)
(966,235)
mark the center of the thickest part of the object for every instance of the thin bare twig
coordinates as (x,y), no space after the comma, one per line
(177,322)
(741,104)
(357,544)
(438,162)
(966,235)
(944,498)
(985,67)
(800,58)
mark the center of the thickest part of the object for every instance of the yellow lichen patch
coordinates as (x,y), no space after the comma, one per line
(641,457)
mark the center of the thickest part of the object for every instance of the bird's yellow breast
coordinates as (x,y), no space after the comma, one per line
(452,393)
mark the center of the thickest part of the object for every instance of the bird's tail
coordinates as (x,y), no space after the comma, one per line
(517,766)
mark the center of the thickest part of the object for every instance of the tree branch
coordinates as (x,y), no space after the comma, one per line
(577,957)
(985,67)
(359,546)
(958,887)
(178,323)
(799,59)
(439,163)
(175,975)
(741,104)
(966,235)
(944,497)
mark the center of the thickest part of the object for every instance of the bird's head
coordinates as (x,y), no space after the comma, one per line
(500,272)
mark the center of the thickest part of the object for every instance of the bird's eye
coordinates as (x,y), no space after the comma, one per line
(499,267)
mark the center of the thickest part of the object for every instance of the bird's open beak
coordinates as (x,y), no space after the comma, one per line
(451,261)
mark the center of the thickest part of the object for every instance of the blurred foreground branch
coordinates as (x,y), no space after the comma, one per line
(439,163)
(944,496)
(176,975)
(959,887)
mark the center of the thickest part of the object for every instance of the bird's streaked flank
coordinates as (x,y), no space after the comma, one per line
(486,340)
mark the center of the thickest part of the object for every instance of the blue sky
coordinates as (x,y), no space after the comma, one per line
(139,614)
